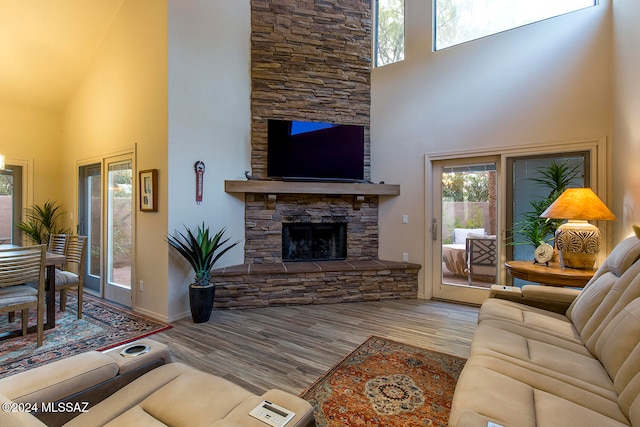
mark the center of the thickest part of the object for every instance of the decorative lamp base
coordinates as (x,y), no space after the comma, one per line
(578,243)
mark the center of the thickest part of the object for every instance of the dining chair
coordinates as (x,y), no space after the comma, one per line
(57,244)
(20,266)
(72,276)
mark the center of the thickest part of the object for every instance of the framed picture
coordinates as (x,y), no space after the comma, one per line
(148,190)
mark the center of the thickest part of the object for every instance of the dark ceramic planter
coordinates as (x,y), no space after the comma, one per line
(201,302)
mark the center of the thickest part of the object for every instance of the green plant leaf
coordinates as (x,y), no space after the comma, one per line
(200,250)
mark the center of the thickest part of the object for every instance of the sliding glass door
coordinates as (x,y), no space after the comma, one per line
(105,216)
(90,222)
(10,203)
(118,237)
(464,228)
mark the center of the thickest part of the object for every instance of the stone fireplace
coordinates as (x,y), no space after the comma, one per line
(310,61)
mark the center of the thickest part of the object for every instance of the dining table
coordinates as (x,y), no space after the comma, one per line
(52,260)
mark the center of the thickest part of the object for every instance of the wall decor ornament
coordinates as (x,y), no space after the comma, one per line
(148,183)
(199,168)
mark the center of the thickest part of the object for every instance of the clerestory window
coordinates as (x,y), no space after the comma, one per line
(459,21)
(389,39)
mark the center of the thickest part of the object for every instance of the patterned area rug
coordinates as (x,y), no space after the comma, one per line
(102,326)
(386,383)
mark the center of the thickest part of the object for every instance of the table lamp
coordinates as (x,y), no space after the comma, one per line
(577,240)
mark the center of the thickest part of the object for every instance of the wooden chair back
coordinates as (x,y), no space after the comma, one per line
(22,265)
(76,249)
(73,274)
(57,244)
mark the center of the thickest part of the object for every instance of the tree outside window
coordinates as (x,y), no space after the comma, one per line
(389,32)
(459,21)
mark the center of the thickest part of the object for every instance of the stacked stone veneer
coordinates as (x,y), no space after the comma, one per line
(310,60)
(263,285)
(263,234)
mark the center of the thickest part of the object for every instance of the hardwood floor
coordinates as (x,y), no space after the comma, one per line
(290,347)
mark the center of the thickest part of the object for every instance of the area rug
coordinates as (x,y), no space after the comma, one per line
(102,326)
(386,383)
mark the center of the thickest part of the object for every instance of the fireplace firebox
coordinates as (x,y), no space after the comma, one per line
(314,241)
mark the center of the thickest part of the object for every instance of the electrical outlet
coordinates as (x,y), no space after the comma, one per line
(405,219)
(405,257)
(141,286)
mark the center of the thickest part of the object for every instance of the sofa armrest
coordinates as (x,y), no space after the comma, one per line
(16,418)
(549,298)
(240,414)
(550,293)
(59,379)
(473,419)
(156,351)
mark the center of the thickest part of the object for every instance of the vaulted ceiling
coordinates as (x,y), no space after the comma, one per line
(46,47)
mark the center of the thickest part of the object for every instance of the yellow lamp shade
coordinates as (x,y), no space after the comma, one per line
(579,203)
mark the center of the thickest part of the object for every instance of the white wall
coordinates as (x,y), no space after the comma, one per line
(121,103)
(545,82)
(209,120)
(626,113)
(30,137)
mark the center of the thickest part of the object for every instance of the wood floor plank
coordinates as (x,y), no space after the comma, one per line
(291,347)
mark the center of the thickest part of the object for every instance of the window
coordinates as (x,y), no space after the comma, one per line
(533,183)
(6,206)
(458,21)
(389,40)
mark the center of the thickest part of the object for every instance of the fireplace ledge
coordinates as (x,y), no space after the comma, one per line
(272,188)
(298,187)
(320,282)
(312,266)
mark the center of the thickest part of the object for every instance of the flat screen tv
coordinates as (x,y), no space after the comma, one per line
(298,150)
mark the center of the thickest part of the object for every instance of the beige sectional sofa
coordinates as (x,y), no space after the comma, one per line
(531,366)
(147,390)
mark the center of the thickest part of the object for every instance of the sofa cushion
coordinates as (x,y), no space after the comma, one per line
(621,258)
(513,395)
(460,234)
(575,366)
(177,395)
(619,350)
(526,318)
(192,393)
(624,291)
(130,395)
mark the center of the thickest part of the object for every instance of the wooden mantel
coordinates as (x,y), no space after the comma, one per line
(273,188)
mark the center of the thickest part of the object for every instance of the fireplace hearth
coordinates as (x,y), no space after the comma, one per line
(314,241)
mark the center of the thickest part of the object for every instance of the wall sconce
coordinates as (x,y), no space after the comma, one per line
(577,240)
(1,161)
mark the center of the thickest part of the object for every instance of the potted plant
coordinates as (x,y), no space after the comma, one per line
(201,251)
(532,229)
(41,221)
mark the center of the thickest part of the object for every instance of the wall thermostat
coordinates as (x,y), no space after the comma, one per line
(272,414)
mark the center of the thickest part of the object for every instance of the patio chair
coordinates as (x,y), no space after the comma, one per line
(481,257)
(72,276)
(18,267)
